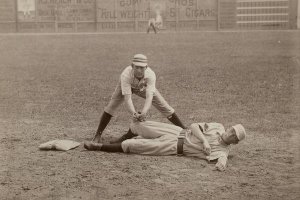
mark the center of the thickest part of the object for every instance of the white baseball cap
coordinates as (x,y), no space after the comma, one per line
(140,60)
(240,131)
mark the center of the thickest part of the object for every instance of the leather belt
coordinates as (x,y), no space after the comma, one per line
(180,142)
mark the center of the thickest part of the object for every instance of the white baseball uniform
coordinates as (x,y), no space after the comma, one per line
(129,84)
(155,138)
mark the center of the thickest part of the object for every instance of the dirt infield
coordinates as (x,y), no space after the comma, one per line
(55,87)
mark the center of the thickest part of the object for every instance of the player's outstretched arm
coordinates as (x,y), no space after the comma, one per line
(129,103)
(198,133)
(148,102)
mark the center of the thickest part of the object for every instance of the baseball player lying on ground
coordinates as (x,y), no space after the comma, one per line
(138,79)
(207,141)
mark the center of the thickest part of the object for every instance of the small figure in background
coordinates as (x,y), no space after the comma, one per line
(155,23)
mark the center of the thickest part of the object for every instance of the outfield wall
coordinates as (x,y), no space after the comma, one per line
(133,15)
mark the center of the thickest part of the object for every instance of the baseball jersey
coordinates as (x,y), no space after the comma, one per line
(158,21)
(129,82)
(212,132)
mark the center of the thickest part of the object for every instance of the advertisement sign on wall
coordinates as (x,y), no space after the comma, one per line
(26,10)
(7,10)
(66,10)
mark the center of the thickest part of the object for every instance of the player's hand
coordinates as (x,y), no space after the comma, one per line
(220,166)
(138,116)
(135,117)
(206,148)
(141,116)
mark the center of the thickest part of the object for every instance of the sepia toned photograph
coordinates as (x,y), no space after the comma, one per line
(149,99)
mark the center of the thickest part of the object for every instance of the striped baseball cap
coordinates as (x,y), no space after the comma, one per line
(139,60)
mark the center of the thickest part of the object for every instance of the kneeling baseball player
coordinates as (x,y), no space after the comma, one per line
(207,141)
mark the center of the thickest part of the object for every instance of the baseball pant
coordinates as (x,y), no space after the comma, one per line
(154,138)
(151,25)
(158,101)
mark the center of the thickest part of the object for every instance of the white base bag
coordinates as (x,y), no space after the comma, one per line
(61,145)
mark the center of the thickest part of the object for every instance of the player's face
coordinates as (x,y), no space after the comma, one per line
(230,136)
(139,71)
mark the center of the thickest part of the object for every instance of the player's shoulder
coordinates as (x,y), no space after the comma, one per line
(127,71)
(212,127)
(218,126)
(150,70)
(149,73)
(215,125)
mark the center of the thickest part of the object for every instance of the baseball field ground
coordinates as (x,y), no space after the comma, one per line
(55,87)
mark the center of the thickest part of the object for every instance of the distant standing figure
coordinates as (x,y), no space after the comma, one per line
(151,24)
(155,23)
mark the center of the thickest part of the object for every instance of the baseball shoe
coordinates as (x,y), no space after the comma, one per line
(92,146)
(97,138)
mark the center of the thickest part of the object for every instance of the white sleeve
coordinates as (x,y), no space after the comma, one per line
(151,81)
(126,82)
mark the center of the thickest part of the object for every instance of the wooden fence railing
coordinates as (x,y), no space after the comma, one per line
(133,15)
(266,14)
